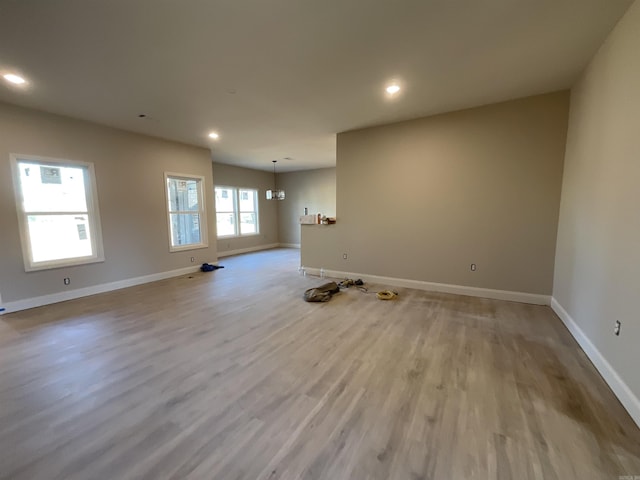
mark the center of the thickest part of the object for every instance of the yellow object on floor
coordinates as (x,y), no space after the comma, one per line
(386,295)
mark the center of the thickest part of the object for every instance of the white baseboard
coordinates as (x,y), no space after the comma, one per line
(621,390)
(289,245)
(33,302)
(228,253)
(439,287)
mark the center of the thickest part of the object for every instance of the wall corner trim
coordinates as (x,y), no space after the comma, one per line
(621,390)
(522,297)
(40,301)
(289,245)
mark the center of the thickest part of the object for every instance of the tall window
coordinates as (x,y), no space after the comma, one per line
(58,212)
(186,212)
(236,211)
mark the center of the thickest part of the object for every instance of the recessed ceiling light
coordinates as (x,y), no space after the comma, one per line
(214,135)
(391,89)
(13,78)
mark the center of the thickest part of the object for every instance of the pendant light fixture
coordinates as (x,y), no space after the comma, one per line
(275,194)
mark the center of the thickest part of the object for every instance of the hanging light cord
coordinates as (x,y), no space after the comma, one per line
(275,185)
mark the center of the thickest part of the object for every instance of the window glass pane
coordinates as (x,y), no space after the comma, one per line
(247,200)
(248,223)
(237,211)
(226,224)
(185,229)
(183,195)
(55,237)
(224,199)
(57,188)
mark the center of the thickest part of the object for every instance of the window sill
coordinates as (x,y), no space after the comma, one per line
(248,235)
(62,263)
(184,248)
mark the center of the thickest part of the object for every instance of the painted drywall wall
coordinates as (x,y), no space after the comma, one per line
(230,176)
(130,181)
(422,200)
(596,275)
(311,189)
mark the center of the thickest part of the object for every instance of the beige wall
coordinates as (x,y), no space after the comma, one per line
(598,254)
(423,199)
(313,189)
(230,176)
(130,180)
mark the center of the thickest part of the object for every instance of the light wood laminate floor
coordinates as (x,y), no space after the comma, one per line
(230,375)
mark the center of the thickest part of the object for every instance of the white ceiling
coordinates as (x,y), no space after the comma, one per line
(301,70)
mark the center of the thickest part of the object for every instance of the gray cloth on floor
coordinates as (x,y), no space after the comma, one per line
(323,293)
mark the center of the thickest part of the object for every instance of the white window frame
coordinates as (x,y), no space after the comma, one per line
(202,211)
(93,213)
(236,211)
